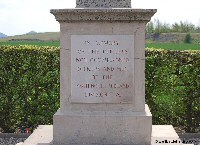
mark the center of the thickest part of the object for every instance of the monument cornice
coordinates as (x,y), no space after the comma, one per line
(103,15)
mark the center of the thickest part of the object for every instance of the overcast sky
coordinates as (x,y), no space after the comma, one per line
(21,16)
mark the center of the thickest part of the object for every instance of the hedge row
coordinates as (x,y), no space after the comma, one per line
(29,80)
(29,92)
(173,87)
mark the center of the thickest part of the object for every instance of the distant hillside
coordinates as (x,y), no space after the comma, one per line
(55,36)
(31,32)
(47,36)
(3,35)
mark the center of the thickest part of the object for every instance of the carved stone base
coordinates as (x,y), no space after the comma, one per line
(43,135)
(123,128)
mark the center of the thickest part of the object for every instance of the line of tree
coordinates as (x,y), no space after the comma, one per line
(156,26)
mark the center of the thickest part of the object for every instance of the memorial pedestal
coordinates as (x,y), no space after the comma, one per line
(102,77)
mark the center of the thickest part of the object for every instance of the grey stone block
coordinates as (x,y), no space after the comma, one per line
(103,3)
(124,128)
(43,135)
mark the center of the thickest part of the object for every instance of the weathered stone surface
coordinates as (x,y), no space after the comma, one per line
(103,3)
(103,15)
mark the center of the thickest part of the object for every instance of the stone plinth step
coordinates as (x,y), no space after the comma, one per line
(161,135)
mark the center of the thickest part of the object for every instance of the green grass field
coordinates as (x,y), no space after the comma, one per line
(42,43)
(174,46)
(166,46)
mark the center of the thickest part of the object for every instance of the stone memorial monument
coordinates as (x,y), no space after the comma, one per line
(102,76)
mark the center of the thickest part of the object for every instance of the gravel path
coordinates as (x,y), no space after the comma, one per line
(12,138)
(11,141)
(6,140)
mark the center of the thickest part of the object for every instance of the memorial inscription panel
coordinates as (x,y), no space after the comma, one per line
(102,69)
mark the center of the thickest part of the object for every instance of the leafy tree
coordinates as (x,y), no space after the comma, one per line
(187,27)
(188,38)
(150,27)
(176,27)
(158,27)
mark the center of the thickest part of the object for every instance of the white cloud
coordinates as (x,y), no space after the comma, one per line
(172,10)
(22,16)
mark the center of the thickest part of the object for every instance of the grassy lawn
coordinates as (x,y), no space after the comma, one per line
(42,43)
(166,46)
(174,46)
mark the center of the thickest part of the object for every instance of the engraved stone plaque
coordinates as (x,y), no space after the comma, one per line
(102,69)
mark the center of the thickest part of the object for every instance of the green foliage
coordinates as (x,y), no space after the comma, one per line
(173,87)
(158,27)
(29,80)
(188,38)
(183,27)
